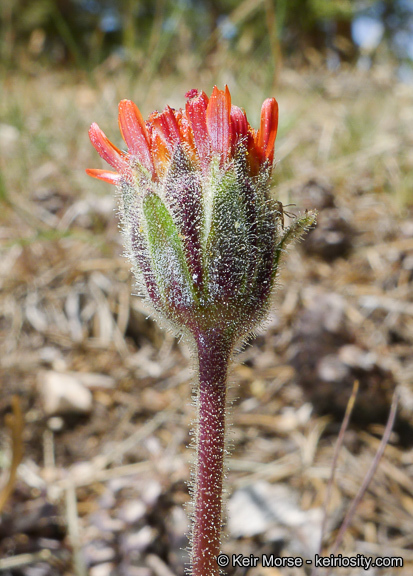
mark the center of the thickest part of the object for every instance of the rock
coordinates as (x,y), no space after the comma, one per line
(125,569)
(55,423)
(105,569)
(137,542)
(150,493)
(98,552)
(327,362)
(107,500)
(319,331)
(105,523)
(354,357)
(331,238)
(9,139)
(339,371)
(177,527)
(331,369)
(82,472)
(316,195)
(132,512)
(64,394)
(272,510)
(406,228)
(247,517)
(39,569)
(49,355)
(158,565)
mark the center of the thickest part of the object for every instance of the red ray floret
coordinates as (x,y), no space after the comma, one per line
(267,133)
(106,175)
(108,151)
(218,121)
(187,135)
(196,108)
(239,126)
(167,127)
(160,153)
(135,133)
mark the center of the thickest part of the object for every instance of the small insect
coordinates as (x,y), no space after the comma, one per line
(282,212)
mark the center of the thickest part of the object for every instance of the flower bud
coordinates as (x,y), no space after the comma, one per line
(201,228)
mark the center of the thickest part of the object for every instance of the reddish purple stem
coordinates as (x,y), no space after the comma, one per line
(214,353)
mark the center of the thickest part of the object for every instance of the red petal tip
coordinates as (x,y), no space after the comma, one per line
(239,125)
(195,110)
(106,175)
(218,120)
(268,128)
(106,150)
(191,93)
(167,127)
(135,133)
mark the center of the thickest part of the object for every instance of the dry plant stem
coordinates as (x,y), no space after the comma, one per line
(15,423)
(214,353)
(368,478)
(337,449)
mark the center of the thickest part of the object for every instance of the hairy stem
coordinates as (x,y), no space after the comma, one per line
(214,353)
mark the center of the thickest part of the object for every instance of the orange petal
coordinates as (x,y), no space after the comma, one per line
(218,121)
(167,127)
(268,129)
(254,156)
(195,109)
(160,153)
(187,135)
(108,151)
(106,175)
(134,133)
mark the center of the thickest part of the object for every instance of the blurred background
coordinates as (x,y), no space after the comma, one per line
(170,36)
(95,399)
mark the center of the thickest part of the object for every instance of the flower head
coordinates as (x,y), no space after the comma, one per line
(201,229)
(207,129)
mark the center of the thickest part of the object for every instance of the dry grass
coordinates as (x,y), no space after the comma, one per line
(65,305)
